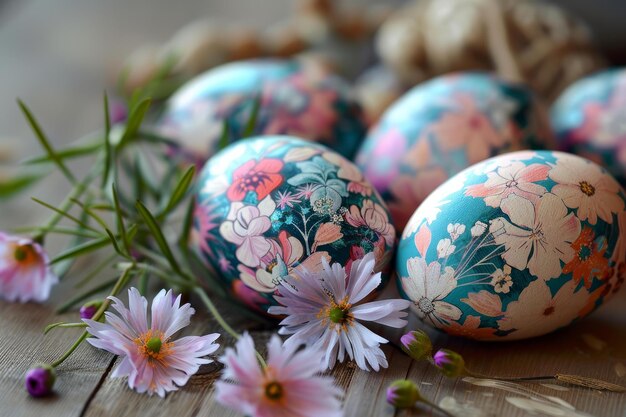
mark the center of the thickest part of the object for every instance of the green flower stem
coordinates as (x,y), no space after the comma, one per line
(183,284)
(218,317)
(436,407)
(121,282)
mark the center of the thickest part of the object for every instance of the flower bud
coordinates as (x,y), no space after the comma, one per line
(417,345)
(403,393)
(450,363)
(39,380)
(88,310)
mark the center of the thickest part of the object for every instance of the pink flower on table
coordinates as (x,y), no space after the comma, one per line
(325,309)
(373,216)
(245,226)
(24,271)
(586,187)
(516,178)
(262,177)
(289,386)
(153,361)
(538,236)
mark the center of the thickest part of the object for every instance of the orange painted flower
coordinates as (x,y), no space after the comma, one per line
(262,177)
(588,262)
(470,328)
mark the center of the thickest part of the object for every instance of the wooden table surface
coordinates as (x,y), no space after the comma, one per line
(46,61)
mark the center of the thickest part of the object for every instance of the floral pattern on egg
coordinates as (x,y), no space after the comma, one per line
(515,247)
(294,100)
(443,126)
(268,206)
(589,119)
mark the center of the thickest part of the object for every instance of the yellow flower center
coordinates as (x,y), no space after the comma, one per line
(337,314)
(274,391)
(152,345)
(587,188)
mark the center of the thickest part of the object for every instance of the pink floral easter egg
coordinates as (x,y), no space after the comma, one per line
(515,247)
(441,127)
(269,206)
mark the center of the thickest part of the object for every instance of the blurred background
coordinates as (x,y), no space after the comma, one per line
(58,56)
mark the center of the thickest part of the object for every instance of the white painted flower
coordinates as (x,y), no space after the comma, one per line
(501,280)
(583,186)
(427,287)
(536,312)
(456,230)
(540,235)
(478,229)
(445,248)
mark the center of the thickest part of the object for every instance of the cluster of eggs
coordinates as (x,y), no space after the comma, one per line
(500,236)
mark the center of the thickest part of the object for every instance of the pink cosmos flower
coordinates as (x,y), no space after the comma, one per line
(288,386)
(152,360)
(324,310)
(24,271)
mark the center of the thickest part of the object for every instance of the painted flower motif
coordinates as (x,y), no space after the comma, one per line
(467,127)
(478,229)
(328,191)
(540,235)
(455,230)
(587,188)
(445,248)
(349,172)
(501,280)
(470,328)
(250,297)
(325,310)
(290,384)
(261,177)
(24,271)
(205,225)
(373,216)
(588,261)
(388,151)
(326,233)
(245,226)
(427,287)
(537,312)
(516,178)
(285,199)
(484,302)
(153,361)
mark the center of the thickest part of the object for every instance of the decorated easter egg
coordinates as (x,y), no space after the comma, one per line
(516,246)
(589,119)
(269,206)
(443,126)
(295,99)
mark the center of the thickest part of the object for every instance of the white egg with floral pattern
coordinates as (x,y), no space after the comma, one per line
(515,247)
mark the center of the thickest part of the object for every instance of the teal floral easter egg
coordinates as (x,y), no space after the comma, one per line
(295,99)
(269,206)
(443,126)
(589,119)
(515,247)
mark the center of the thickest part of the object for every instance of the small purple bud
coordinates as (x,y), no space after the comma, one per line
(403,393)
(450,363)
(417,345)
(117,112)
(88,310)
(39,380)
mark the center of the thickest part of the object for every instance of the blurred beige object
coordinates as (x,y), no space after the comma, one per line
(548,48)
(376,89)
(141,67)
(195,47)
(283,40)
(243,43)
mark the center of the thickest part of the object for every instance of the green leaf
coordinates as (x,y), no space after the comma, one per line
(119,215)
(88,211)
(62,324)
(88,294)
(58,230)
(224,140)
(113,240)
(45,143)
(99,268)
(254,115)
(64,214)
(82,249)
(155,229)
(108,157)
(134,122)
(11,186)
(179,191)
(183,240)
(67,153)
